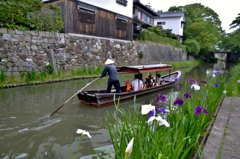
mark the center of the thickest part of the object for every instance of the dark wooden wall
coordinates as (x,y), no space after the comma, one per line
(104,26)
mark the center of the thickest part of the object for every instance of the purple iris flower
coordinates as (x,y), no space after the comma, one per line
(29,65)
(178,101)
(151,113)
(190,80)
(203,82)
(177,79)
(187,95)
(217,71)
(200,109)
(239,81)
(161,97)
(160,109)
(216,85)
(179,87)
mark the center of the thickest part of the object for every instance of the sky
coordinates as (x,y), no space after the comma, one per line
(227,10)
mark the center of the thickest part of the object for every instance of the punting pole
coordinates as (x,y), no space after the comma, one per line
(73,96)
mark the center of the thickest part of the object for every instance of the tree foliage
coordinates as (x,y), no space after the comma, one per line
(235,23)
(231,41)
(202,24)
(30,15)
(192,46)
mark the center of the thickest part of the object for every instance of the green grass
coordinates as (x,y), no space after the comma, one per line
(31,76)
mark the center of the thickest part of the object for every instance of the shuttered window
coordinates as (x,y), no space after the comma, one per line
(86,15)
(121,24)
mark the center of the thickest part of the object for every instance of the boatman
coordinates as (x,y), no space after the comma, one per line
(111,69)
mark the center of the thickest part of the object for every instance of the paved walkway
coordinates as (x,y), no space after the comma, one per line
(224,139)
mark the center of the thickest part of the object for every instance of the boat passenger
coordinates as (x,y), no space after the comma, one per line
(111,69)
(137,83)
(149,80)
(160,81)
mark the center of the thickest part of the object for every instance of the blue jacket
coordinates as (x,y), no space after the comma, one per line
(112,72)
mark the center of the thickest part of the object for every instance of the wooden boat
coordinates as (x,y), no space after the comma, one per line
(99,98)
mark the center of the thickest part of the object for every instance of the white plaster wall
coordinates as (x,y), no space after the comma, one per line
(171,23)
(113,6)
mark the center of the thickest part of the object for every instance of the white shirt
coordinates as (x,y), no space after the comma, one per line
(159,80)
(137,83)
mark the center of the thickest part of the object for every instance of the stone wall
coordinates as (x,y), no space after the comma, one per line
(21,49)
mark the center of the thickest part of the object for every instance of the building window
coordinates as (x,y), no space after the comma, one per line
(123,2)
(148,19)
(182,24)
(145,18)
(121,24)
(161,23)
(85,15)
(139,15)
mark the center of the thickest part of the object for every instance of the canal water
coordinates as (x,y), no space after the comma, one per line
(27,131)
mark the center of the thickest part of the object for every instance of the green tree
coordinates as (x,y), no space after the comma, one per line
(192,46)
(230,42)
(235,23)
(201,24)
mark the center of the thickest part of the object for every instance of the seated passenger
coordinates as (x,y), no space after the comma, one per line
(137,83)
(160,81)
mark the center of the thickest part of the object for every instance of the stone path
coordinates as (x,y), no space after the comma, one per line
(224,139)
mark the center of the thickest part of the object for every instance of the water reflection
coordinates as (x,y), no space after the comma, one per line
(27,131)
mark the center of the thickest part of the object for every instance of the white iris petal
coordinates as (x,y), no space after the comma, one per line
(83,132)
(147,108)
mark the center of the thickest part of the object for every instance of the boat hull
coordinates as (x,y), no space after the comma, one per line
(99,98)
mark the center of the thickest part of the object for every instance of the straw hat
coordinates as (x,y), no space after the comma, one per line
(108,61)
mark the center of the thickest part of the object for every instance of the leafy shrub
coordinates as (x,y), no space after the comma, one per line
(49,68)
(30,15)
(140,54)
(48,19)
(31,75)
(2,77)
(150,36)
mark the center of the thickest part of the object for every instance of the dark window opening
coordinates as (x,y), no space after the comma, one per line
(182,24)
(123,2)
(161,23)
(121,24)
(86,16)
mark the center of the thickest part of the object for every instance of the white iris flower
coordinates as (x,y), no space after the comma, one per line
(159,119)
(83,132)
(195,87)
(129,148)
(147,108)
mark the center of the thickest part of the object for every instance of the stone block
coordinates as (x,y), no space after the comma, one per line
(3,30)
(42,33)
(61,35)
(45,40)
(21,38)
(52,41)
(61,41)
(34,33)
(34,47)
(19,32)
(11,31)
(14,39)
(7,37)
(27,33)
(28,38)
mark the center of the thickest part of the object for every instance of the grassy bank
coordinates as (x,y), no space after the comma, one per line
(48,75)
